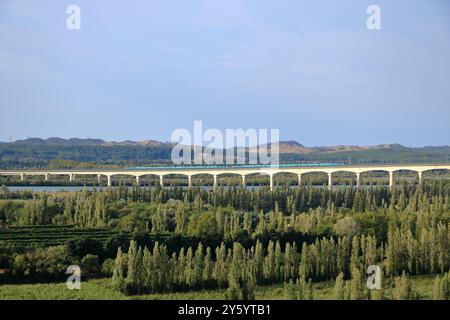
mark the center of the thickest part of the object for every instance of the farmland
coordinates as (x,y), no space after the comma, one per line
(51,235)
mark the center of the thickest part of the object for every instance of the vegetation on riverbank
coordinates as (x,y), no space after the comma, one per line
(233,241)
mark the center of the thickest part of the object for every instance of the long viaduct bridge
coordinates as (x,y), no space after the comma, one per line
(243,171)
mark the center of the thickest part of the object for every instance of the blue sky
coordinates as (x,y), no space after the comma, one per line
(140,69)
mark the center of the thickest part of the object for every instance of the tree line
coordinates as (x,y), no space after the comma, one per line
(142,270)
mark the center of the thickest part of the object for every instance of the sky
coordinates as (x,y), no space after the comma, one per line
(138,70)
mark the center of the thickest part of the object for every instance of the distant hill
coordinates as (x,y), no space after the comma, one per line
(293,147)
(58,142)
(285,147)
(145,143)
(84,142)
(37,153)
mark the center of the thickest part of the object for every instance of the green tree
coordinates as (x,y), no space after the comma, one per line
(403,289)
(120,270)
(339,287)
(441,287)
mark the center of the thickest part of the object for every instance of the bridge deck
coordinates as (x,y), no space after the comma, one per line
(244,170)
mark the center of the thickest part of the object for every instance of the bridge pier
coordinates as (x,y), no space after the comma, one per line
(358,180)
(190,181)
(420,173)
(271,181)
(71,177)
(46,177)
(244,184)
(99,178)
(161,181)
(109,181)
(22,177)
(330,181)
(137,180)
(299,179)
(391,180)
(215,182)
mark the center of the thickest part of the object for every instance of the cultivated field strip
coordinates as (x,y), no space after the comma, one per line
(51,235)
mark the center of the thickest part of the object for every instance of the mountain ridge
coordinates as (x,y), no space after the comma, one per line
(285,147)
(67,153)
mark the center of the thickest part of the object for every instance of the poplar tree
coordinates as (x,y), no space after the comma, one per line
(288,264)
(355,263)
(261,227)
(147,271)
(180,220)
(189,269)
(259,262)
(270,263)
(441,287)
(403,289)
(220,267)
(133,269)
(278,262)
(197,270)
(119,271)
(356,285)
(290,292)
(247,224)
(305,262)
(339,287)
(181,266)
(304,289)
(342,255)
(208,267)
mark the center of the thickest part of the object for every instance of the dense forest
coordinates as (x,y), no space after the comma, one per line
(153,240)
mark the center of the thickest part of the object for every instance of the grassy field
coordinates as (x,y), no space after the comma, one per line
(100,289)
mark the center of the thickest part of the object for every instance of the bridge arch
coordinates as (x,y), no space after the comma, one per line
(304,175)
(343,170)
(430,173)
(243,176)
(288,173)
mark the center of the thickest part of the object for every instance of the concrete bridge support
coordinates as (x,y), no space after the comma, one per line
(109,181)
(46,176)
(99,178)
(420,173)
(190,181)
(161,181)
(137,180)
(215,184)
(358,180)
(71,177)
(330,180)
(22,177)
(271,182)
(300,180)
(244,184)
(391,180)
